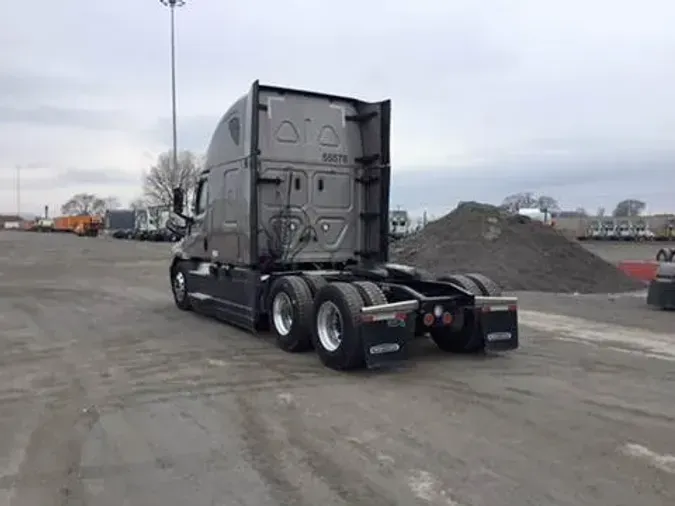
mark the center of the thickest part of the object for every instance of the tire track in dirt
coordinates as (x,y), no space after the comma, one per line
(55,450)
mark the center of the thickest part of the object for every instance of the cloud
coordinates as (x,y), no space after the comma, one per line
(46,179)
(40,186)
(558,96)
(25,86)
(75,177)
(61,117)
(194,132)
(578,180)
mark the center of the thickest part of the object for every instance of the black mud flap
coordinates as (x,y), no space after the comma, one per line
(661,291)
(384,339)
(499,329)
(661,294)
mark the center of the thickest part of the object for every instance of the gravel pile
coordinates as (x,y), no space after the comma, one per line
(518,253)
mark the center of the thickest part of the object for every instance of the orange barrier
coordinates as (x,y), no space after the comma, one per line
(642,270)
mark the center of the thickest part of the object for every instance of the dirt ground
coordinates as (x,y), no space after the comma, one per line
(619,251)
(111,396)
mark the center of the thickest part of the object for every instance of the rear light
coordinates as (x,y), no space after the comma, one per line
(447,318)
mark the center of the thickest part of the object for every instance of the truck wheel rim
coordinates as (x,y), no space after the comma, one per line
(179,286)
(329,326)
(282,313)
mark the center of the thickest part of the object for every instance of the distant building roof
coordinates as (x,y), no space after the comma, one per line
(10,217)
(569,214)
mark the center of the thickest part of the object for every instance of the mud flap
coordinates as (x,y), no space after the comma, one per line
(661,291)
(384,340)
(499,329)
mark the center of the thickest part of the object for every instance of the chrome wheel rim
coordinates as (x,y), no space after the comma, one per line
(329,326)
(179,286)
(282,313)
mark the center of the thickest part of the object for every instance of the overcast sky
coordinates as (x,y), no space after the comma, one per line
(572,98)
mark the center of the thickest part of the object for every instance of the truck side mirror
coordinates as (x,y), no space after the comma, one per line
(178,200)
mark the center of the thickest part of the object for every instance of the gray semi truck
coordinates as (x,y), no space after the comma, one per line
(289,233)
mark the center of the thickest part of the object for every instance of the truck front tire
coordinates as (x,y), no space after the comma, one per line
(290,312)
(335,330)
(179,286)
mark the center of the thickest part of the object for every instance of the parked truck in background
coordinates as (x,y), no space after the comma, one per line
(118,219)
(82,225)
(536,214)
(399,223)
(44,225)
(290,232)
(663,226)
(12,225)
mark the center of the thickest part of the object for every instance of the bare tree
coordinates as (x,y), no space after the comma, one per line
(524,200)
(547,203)
(111,203)
(162,178)
(600,212)
(629,208)
(517,201)
(84,204)
(580,211)
(138,203)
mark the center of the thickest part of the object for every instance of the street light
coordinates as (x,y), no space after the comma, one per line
(172,4)
(18,190)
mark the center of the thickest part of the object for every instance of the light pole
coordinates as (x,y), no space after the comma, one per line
(18,190)
(172,4)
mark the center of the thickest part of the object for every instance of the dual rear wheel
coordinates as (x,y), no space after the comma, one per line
(308,312)
(464,334)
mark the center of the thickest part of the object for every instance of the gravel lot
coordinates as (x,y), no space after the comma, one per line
(111,396)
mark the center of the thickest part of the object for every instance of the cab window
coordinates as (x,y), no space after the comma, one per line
(235,130)
(201,198)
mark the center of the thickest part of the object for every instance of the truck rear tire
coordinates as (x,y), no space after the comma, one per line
(488,287)
(290,313)
(179,286)
(371,294)
(335,330)
(315,283)
(460,337)
(463,281)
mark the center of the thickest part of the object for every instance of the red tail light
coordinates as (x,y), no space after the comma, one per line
(428,319)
